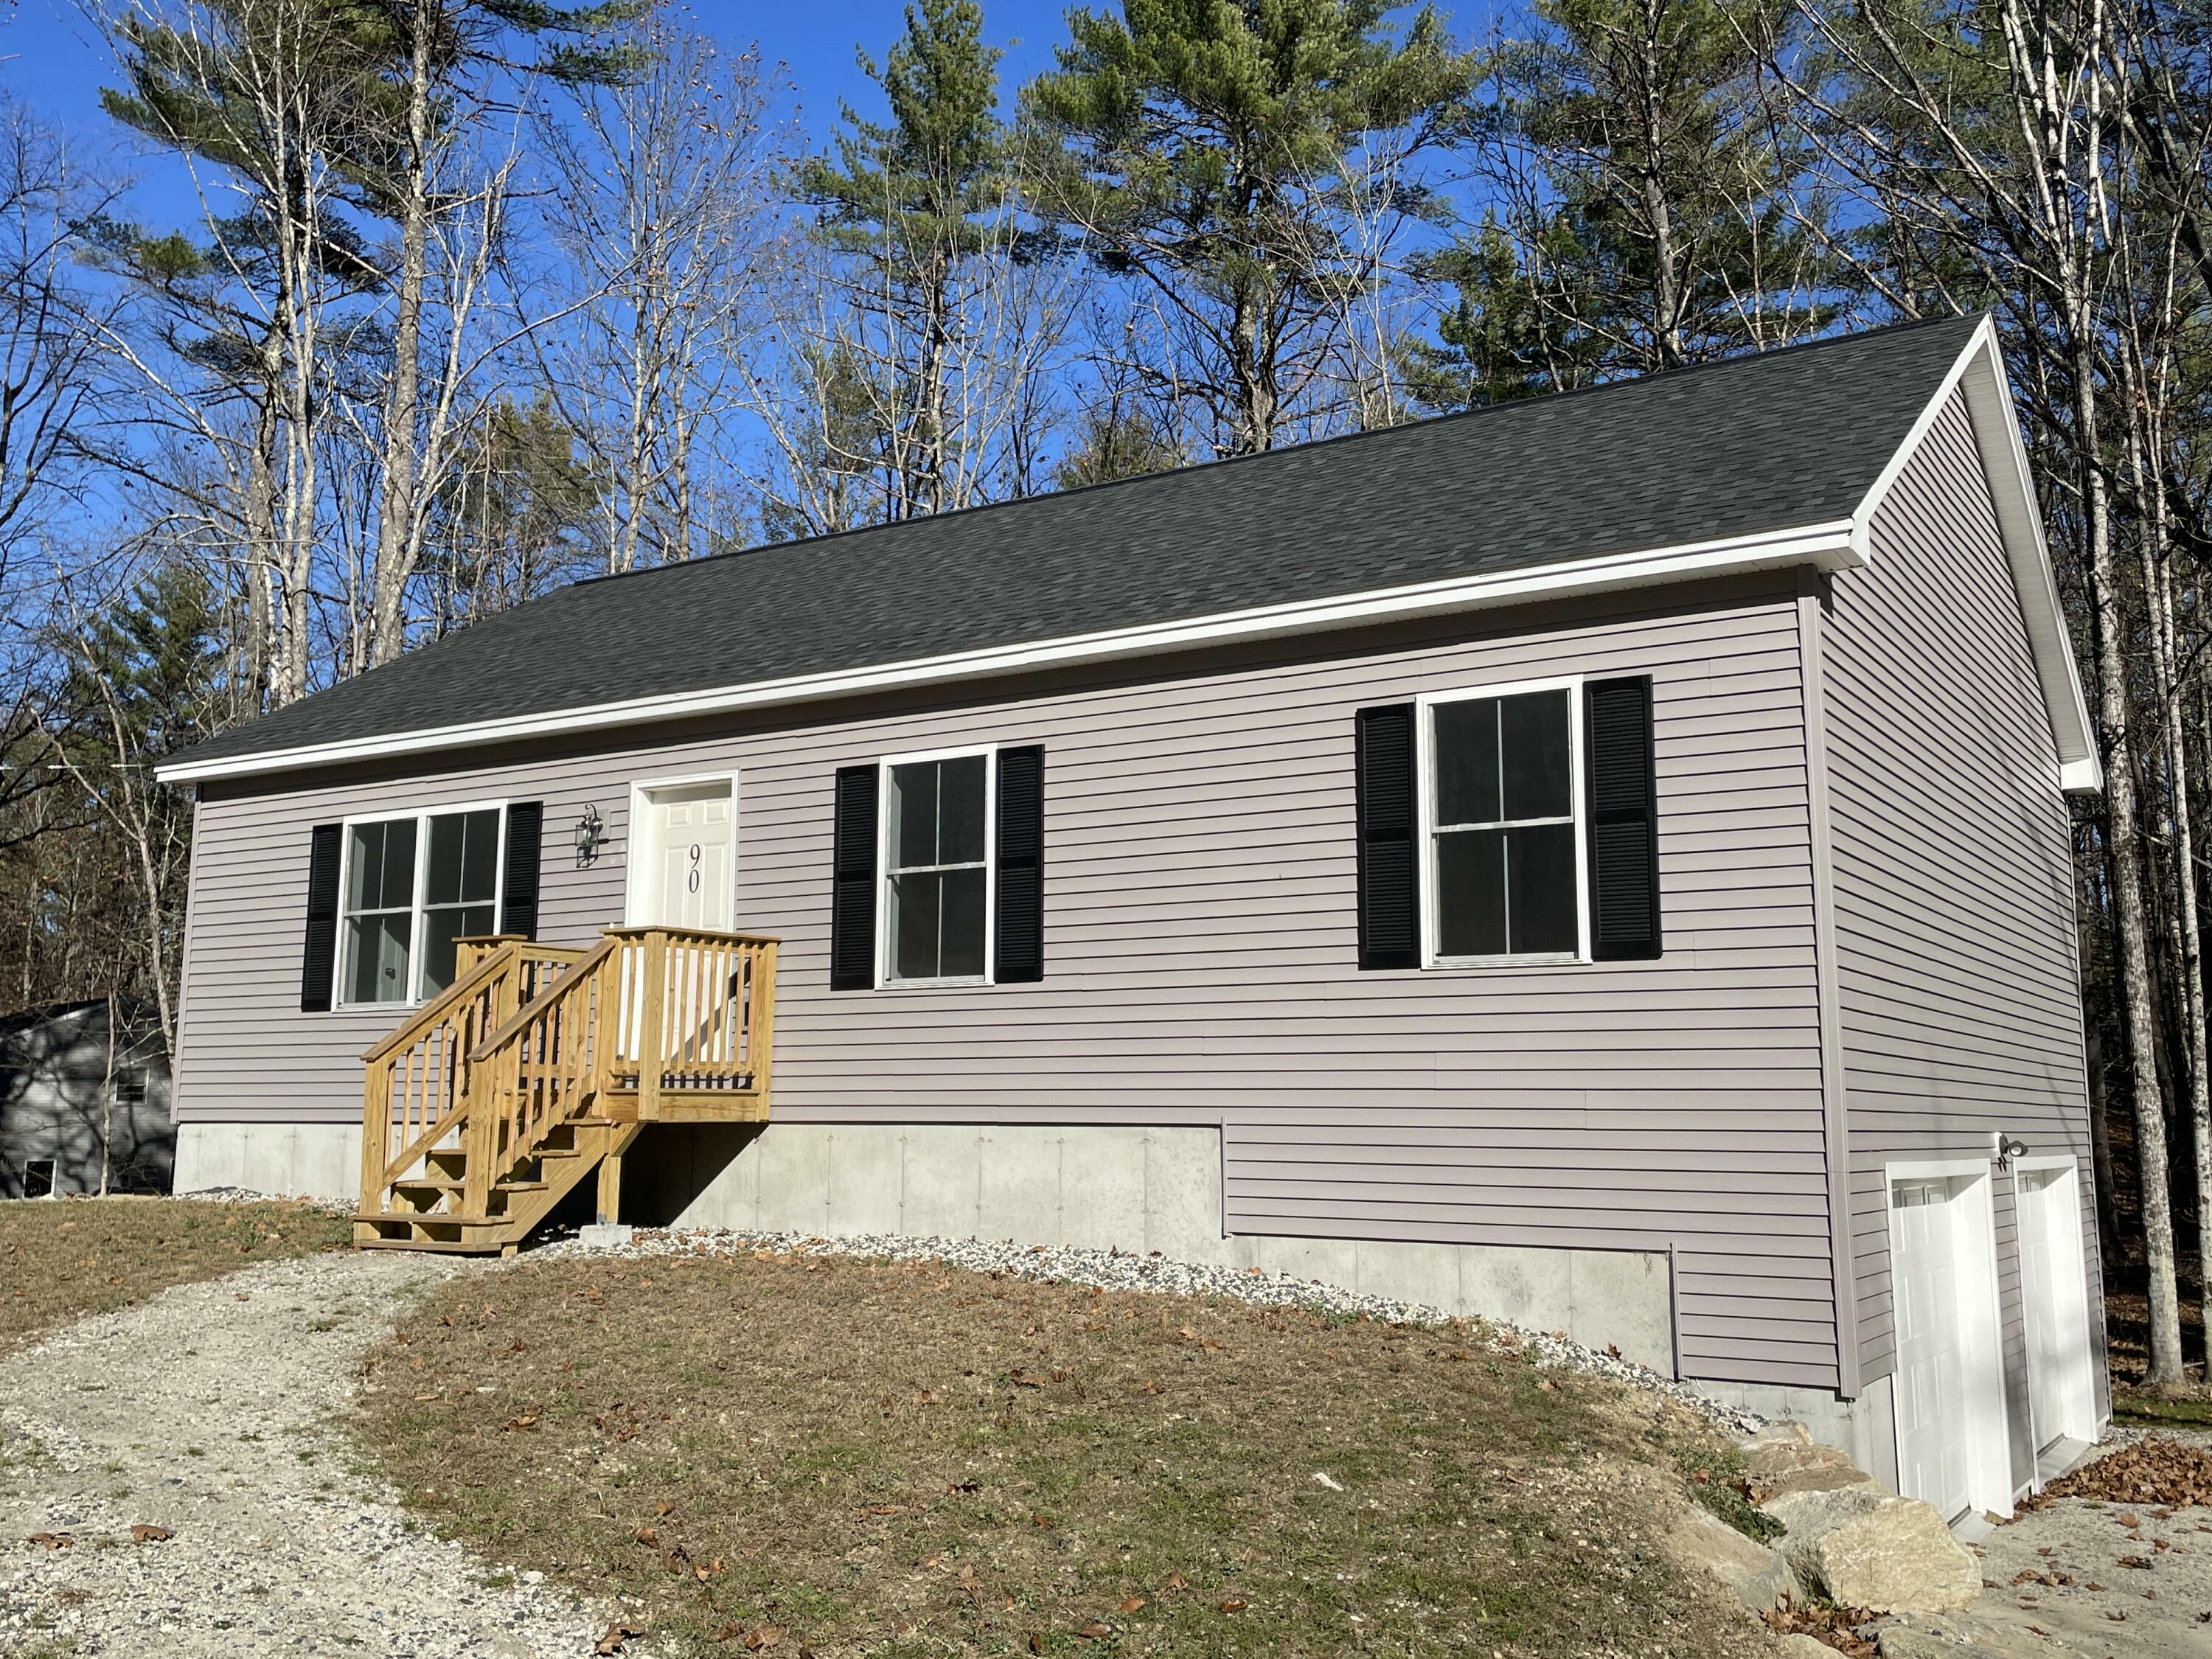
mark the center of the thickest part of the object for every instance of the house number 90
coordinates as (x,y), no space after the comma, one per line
(691,876)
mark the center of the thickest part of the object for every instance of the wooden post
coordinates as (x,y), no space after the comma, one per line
(651,1023)
(609,1207)
(762,1035)
(375,1130)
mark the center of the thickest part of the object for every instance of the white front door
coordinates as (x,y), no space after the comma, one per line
(2054,1295)
(684,856)
(1932,1426)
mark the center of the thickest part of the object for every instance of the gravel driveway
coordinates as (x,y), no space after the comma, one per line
(208,1411)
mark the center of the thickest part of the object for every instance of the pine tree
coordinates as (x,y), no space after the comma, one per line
(1217,153)
(1646,212)
(909,202)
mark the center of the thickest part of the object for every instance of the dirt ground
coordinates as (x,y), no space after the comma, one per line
(852,1456)
(2109,1580)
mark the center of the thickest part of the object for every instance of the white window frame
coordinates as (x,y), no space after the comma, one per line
(1426,770)
(989,754)
(641,804)
(415,999)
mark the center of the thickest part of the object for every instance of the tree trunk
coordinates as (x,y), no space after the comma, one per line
(1658,211)
(2131,919)
(395,522)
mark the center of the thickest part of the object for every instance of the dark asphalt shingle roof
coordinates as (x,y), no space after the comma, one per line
(1791,438)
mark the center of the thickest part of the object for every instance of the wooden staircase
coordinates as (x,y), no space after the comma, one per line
(538,1065)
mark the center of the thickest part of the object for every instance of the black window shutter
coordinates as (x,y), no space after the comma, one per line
(853,882)
(1624,808)
(1389,863)
(1019,954)
(525,833)
(318,959)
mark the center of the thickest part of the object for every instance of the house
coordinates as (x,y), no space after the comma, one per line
(1601,861)
(84,1100)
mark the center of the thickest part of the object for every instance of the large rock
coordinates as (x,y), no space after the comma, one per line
(1757,1574)
(1863,1547)
(1783,1457)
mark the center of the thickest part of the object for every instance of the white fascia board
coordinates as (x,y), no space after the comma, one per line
(1825,545)
(1978,377)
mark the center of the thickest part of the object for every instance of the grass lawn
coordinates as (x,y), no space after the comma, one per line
(835,1456)
(61,1260)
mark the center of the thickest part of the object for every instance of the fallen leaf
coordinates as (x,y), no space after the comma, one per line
(766,1637)
(2157,1471)
(616,1635)
(1233,1605)
(1036,1643)
(647,1535)
(1131,1603)
(2139,1563)
(145,1532)
(521,1423)
(1176,1582)
(1093,1632)
(52,1540)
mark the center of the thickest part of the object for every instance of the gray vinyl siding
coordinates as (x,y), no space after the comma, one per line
(1199,953)
(1953,877)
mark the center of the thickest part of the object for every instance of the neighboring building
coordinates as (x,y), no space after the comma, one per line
(79,1098)
(1600,861)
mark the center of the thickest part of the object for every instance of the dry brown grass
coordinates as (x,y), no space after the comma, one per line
(837,1457)
(61,1260)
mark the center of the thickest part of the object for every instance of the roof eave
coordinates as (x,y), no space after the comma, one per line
(1828,546)
(1979,376)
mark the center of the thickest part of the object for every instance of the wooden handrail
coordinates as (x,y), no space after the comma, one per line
(468,984)
(581,965)
(417,1085)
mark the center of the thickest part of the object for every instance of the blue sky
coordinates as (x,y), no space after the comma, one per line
(53,59)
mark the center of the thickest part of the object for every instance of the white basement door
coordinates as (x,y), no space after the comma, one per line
(1933,1423)
(2054,1290)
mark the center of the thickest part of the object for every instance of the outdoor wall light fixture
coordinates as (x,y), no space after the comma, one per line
(591,830)
(2009,1148)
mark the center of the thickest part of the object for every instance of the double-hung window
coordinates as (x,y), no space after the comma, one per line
(1502,832)
(937,835)
(412,887)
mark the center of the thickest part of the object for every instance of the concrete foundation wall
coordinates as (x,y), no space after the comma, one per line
(1142,1190)
(296,1160)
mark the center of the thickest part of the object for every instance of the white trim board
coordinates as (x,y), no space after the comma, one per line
(1833,545)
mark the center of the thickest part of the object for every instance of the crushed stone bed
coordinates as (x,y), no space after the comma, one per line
(213,1412)
(1118,1270)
